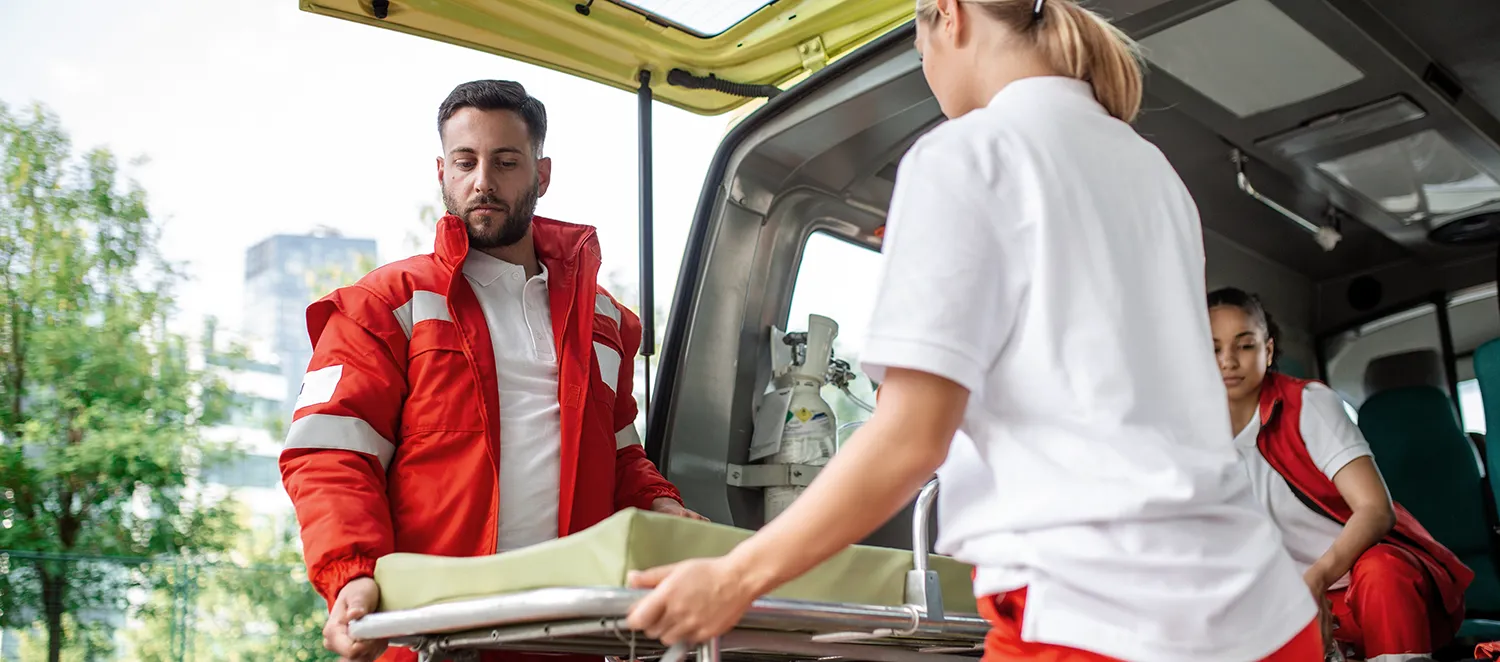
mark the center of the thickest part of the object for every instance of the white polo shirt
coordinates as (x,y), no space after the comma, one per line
(1043,255)
(1333,441)
(519,317)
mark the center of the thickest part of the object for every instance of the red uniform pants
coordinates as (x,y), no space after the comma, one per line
(1386,608)
(1004,644)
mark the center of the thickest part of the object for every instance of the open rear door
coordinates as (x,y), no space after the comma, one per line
(704,56)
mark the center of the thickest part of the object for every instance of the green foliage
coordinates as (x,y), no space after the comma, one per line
(255,604)
(89,642)
(100,405)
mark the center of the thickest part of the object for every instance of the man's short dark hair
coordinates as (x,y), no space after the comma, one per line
(498,95)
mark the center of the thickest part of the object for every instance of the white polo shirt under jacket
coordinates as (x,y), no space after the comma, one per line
(519,317)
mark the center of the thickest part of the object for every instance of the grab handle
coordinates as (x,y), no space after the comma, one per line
(923,591)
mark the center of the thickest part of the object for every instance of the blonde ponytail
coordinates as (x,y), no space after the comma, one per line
(1074,41)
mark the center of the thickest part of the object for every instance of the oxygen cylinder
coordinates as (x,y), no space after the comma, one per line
(809,433)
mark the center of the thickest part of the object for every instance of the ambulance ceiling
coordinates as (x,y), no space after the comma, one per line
(1340,113)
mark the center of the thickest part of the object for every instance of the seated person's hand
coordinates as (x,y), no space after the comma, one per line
(356,599)
(669,506)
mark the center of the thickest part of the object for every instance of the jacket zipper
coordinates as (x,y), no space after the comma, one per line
(567,314)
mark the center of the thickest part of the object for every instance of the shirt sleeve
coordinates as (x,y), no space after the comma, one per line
(1333,440)
(954,269)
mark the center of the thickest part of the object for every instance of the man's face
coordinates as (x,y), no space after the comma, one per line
(491,176)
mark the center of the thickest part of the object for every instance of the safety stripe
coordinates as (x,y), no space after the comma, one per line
(604,306)
(423,306)
(609,365)
(327,431)
(318,386)
(627,437)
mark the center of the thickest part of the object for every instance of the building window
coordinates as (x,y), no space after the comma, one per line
(245,471)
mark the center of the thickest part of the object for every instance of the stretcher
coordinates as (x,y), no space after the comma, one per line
(569,596)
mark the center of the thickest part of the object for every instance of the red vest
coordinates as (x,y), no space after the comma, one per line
(1280,442)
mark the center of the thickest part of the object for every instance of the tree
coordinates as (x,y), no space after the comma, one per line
(273,583)
(102,408)
(256,602)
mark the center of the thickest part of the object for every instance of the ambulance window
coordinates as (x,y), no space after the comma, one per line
(1471,405)
(836,279)
(1349,354)
(703,19)
(1475,320)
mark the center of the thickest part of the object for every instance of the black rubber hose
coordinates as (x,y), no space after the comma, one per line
(682,78)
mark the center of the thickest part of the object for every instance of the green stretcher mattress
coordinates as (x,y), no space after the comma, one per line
(601,555)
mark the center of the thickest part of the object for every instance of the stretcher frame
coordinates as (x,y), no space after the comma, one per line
(591,621)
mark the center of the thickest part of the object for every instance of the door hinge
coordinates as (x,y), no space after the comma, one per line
(813,56)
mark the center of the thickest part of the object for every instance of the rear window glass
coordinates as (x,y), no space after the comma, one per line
(700,17)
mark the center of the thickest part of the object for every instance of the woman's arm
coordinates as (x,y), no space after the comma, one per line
(1339,449)
(874,474)
(1360,484)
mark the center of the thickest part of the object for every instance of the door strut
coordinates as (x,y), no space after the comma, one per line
(648,309)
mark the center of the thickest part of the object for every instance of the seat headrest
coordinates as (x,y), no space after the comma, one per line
(1422,367)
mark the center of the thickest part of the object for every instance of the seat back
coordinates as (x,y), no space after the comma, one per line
(1428,463)
(1427,460)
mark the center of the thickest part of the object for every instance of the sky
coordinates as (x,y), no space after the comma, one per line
(260,119)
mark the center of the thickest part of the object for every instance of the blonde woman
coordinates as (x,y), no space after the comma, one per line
(1043,294)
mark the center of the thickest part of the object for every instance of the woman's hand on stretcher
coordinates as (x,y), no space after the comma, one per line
(357,598)
(695,600)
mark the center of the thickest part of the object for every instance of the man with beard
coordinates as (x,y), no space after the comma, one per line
(471,400)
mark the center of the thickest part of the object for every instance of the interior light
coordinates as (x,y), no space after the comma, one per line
(1415,178)
(1343,126)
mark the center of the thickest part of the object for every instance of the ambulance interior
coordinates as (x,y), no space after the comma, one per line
(1345,155)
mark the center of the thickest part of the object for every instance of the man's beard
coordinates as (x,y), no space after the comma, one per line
(511,229)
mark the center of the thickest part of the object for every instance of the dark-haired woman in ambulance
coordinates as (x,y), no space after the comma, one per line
(1389,590)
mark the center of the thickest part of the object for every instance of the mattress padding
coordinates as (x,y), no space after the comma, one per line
(632,539)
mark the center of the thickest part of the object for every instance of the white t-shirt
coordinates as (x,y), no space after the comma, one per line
(1043,255)
(1333,441)
(519,317)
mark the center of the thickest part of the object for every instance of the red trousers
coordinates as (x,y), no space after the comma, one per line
(1386,610)
(1004,644)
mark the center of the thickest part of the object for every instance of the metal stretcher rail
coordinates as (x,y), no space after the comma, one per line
(592,621)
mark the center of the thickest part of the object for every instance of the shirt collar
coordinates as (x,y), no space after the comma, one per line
(485,269)
(1047,86)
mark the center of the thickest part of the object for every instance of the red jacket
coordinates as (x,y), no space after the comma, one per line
(1280,442)
(394,446)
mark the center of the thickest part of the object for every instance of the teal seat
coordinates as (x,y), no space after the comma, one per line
(1479,630)
(1429,464)
(1487,371)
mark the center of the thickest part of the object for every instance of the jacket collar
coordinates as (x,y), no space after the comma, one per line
(558,244)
